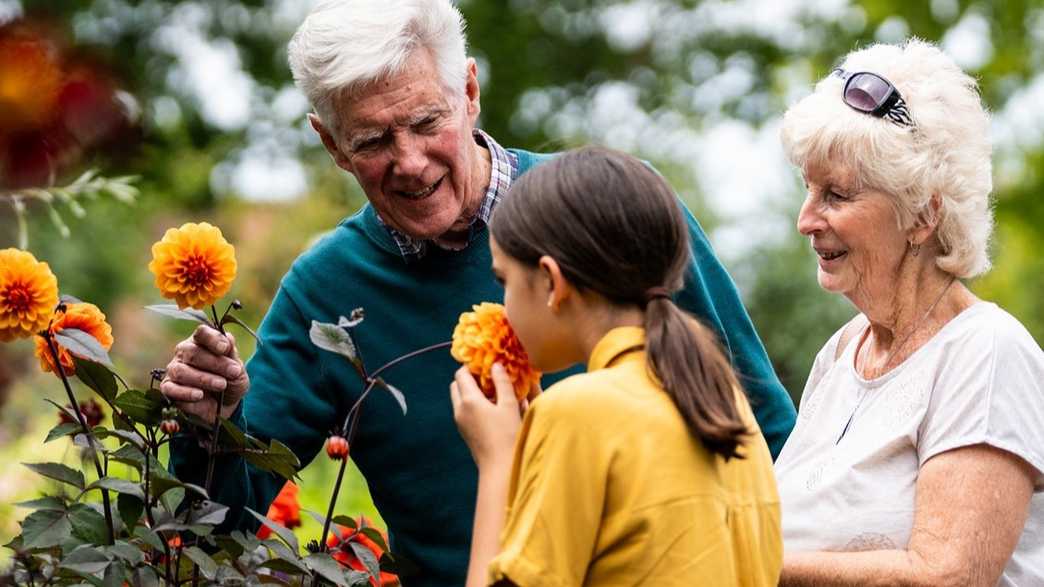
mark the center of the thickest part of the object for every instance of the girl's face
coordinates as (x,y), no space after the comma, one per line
(527,292)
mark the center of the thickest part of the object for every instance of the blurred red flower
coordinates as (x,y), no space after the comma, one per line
(341,550)
(285,510)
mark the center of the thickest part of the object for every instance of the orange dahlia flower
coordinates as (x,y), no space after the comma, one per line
(84,316)
(285,510)
(343,553)
(28,294)
(194,265)
(484,337)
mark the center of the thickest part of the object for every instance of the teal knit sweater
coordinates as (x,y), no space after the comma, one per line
(419,471)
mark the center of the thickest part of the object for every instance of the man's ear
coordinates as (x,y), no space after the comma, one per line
(472,92)
(331,144)
(558,287)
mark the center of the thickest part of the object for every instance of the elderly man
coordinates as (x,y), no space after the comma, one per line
(396,101)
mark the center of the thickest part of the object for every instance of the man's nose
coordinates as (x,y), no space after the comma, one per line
(410,158)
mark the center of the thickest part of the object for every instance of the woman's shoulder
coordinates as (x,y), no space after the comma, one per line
(985,327)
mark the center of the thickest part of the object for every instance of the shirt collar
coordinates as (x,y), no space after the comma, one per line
(617,342)
(503,170)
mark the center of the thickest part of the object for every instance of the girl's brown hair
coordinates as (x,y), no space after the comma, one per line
(614,226)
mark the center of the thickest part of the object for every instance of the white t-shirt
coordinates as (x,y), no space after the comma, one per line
(979,380)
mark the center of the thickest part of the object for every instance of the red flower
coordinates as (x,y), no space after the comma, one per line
(285,510)
(91,410)
(341,550)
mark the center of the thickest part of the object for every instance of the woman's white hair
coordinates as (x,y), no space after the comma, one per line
(946,154)
(345,44)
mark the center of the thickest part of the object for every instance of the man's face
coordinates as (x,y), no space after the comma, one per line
(409,144)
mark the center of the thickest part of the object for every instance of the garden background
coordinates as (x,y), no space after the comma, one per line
(219,134)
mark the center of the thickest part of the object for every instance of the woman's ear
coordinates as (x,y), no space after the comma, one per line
(558,288)
(927,221)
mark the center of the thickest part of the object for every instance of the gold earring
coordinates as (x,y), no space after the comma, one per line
(915,249)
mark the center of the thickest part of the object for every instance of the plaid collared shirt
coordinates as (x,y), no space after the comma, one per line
(503,169)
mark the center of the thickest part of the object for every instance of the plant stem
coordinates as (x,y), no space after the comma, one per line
(410,355)
(91,440)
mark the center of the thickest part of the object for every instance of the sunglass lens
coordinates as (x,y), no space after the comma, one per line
(866,92)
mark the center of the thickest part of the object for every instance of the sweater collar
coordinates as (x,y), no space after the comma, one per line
(616,343)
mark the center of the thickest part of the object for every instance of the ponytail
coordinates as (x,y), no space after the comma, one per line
(616,228)
(695,373)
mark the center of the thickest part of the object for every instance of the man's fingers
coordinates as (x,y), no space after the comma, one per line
(214,341)
(180,393)
(204,360)
(505,389)
(188,376)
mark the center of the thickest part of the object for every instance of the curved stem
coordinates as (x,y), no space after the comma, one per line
(410,355)
(91,440)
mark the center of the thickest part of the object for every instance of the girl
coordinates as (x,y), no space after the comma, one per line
(649,469)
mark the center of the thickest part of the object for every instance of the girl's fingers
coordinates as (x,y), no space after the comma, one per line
(454,396)
(505,389)
(466,384)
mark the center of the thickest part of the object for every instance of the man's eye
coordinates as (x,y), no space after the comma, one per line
(426,124)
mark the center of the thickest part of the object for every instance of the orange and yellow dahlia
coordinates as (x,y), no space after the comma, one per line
(484,337)
(28,294)
(342,552)
(83,316)
(285,510)
(194,265)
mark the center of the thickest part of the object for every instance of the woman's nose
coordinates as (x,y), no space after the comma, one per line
(810,220)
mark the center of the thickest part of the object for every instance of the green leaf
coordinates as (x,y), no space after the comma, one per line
(283,532)
(83,345)
(207,512)
(171,499)
(161,483)
(235,320)
(149,537)
(45,528)
(206,564)
(126,552)
(346,521)
(172,311)
(68,299)
(235,435)
(118,485)
(369,560)
(142,407)
(87,524)
(285,566)
(229,545)
(398,395)
(58,472)
(327,567)
(130,436)
(62,430)
(375,535)
(46,502)
(276,458)
(86,560)
(97,377)
(130,509)
(358,578)
(333,338)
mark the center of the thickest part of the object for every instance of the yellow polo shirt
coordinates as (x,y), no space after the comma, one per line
(609,487)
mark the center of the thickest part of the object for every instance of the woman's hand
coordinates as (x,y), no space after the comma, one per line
(488,429)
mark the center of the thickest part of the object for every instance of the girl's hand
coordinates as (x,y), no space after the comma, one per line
(488,429)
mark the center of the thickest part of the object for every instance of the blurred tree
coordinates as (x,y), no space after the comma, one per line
(650,76)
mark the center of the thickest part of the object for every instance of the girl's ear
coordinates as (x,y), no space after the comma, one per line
(558,288)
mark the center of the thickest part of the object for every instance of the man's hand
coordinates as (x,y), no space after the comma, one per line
(488,429)
(203,366)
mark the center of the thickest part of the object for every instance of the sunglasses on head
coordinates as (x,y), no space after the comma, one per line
(872,94)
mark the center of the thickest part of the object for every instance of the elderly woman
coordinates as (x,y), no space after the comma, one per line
(919,449)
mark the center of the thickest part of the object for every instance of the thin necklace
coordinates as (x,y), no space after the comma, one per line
(895,351)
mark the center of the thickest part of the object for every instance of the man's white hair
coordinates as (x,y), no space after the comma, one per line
(946,154)
(345,44)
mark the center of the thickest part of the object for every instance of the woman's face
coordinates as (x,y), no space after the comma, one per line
(855,234)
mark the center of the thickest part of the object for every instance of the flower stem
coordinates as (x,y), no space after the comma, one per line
(333,502)
(410,355)
(91,440)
